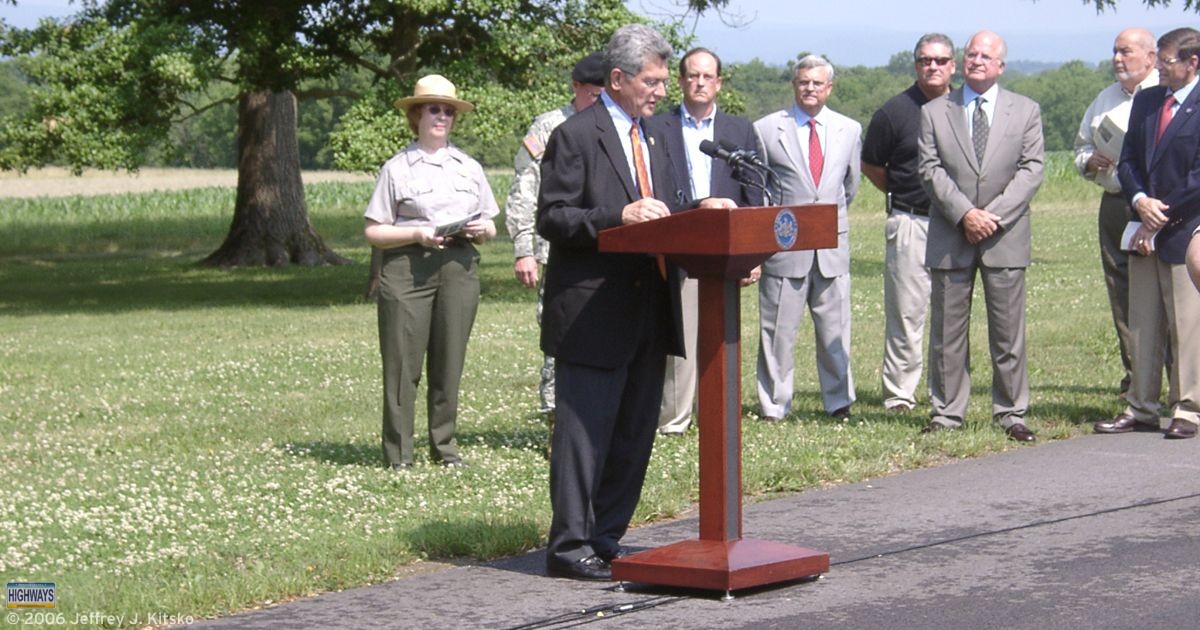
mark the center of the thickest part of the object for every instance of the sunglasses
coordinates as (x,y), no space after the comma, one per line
(441,109)
(931,61)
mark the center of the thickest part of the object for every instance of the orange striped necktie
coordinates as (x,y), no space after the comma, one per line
(643,181)
(639,162)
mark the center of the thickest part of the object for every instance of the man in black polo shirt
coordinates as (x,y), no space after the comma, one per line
(889,160)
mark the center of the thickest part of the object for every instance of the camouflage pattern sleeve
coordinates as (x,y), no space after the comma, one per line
(521,206)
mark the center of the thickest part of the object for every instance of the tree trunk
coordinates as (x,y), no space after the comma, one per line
(270,219)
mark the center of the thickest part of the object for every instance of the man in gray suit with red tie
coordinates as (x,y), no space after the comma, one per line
(609,319)
(1160,176)
(815,151)
(981,161)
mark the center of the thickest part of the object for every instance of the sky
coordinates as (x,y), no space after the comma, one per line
(775,30)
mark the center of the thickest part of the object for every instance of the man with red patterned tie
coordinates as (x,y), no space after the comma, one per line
(1160,175)
(816,153)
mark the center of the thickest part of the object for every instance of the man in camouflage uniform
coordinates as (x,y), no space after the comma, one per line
(587,81)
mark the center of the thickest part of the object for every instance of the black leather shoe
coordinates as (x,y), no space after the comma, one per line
(934,427)
(592,567)
(1123,423)
(1180,430)
(841,414)
(453,463)
(1020,433)
(609,556)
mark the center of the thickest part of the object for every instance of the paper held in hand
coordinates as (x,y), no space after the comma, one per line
(1131,228)
(1109,137)
(454,227)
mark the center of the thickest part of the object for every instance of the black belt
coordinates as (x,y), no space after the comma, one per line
(904,207)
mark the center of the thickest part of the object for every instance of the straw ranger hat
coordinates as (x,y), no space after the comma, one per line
(434,88)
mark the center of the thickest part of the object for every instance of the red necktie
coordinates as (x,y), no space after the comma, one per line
(816,159)
(1164,117)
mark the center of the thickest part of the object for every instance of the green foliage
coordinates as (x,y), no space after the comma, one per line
(102,95)
(1064,95)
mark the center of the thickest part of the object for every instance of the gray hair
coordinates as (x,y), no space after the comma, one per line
(631,46)
(814,61)
(933,38)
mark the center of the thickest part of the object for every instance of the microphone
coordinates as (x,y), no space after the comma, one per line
(742,154)
(707,147)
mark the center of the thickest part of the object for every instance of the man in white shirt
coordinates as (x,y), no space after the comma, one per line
(1097,148)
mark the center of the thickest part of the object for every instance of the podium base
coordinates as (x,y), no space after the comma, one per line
(720,565)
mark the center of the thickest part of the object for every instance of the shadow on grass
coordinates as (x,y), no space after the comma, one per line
(358,454)
(123,283)
(485,537)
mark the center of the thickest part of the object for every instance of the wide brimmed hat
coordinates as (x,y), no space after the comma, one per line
(434,88)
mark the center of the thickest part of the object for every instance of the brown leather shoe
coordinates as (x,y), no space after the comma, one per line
(1020,433)
(1123,423)
(1180,430)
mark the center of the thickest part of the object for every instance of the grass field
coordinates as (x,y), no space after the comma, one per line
(194,441)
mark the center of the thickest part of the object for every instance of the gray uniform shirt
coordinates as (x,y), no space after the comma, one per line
(418,189)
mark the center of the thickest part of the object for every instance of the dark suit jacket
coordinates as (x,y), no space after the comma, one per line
(1169,170)
(594,301)
(727,128)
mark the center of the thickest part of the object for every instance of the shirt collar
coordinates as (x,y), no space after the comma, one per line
(802,118)
(437,158)
(618,114)
(1151,80)
(689,121)
(988,95)
(1182,93)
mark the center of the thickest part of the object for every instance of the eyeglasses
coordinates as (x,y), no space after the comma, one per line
(651,84)
(980,57)
(435,110)
(933,61)
(816,85)
(1169,61)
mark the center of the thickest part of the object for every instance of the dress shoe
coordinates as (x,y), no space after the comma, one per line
(934,427)
(592,567)
(840,414)
(453,463)
(898,407)
(609,556)
(401,467)
(772,419)
(1020,433)
(1123,423)
(1180,430)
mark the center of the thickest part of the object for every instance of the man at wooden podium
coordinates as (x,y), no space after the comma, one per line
(609,320)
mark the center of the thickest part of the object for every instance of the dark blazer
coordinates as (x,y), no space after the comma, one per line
(594,301)
(733,129)
(1169,170)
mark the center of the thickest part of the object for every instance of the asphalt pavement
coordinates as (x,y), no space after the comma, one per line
(1100,531)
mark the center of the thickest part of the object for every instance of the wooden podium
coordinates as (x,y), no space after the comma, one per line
(720,246)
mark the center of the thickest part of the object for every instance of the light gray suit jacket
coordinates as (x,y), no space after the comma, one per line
(956,182)
(780,147)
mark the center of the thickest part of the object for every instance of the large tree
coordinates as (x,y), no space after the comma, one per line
(109,82)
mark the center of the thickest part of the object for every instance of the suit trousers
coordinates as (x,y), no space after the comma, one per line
(949,347)
(427,304)
(781,303)
(679,384)
(905,306)
(605,422)
(1114,215)
(1164,309)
